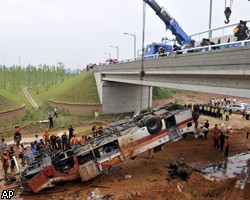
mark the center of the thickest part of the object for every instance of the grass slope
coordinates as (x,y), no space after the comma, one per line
(77,89)
(12,100)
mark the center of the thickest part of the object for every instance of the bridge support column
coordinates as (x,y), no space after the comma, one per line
(121,97)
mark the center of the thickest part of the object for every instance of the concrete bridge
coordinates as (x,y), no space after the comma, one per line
(225,72)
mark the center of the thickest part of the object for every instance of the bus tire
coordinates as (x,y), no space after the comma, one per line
(153,124)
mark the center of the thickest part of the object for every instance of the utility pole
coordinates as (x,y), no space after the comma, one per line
(210,20)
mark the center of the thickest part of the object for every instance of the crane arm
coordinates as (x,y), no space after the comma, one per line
(171,24)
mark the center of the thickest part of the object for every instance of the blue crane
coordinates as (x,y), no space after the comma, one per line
(171,24)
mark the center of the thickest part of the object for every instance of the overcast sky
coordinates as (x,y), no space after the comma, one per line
(78,32)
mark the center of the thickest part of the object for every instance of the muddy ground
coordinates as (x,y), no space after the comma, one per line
(149,174)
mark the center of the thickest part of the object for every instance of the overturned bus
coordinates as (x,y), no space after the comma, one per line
(125,139)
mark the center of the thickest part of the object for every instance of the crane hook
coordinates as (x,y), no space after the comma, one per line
(227,14)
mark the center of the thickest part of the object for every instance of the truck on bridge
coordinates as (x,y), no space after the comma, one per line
(171,24)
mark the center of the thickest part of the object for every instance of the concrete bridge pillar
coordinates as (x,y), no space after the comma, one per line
(122,97)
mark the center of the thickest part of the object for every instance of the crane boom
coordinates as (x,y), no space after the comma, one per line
(171,24)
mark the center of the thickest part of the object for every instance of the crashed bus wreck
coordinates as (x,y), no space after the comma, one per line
(125,139)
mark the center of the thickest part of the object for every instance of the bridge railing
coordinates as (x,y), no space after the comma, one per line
(197,49)
(184,51)
(216,32)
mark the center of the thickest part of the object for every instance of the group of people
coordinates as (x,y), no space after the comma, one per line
(176,49)
(220,136)
(65,141)
(213,111)
(221,140)
(47,140)
(217,107)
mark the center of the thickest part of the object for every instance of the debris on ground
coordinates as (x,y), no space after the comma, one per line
(127,176)
(97,195)
(179,170)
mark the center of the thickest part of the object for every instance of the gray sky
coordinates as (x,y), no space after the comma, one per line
(79,32)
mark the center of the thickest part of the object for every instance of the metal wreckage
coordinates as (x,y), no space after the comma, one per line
(124,139)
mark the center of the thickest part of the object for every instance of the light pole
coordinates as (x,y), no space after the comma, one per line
(210,19)
(108,54)
(134,35)
(117,49)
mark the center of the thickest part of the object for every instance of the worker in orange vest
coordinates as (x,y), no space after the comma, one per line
(5,162)
(46,137)
(227,144)
(73,140)
(79,140)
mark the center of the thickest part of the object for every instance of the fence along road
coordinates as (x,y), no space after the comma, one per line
(31,100)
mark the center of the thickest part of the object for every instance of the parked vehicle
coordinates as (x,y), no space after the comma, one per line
(125,139)
(237,108)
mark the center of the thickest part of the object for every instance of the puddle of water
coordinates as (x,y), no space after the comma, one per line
(230,168)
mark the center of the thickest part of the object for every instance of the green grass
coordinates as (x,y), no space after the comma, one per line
(159,93)
(78,89)
(12,100)
(6,104)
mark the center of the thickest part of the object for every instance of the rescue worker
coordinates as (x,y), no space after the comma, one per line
(222,140)
(79,140)
(3,146)
(51,125)
(227,144)
(17,136)
(58,143)
(206,125)
(216,137)
(216,112)
(42,144)
(205,110)
(73,140)
(212,112)
(221,113)
(64,141)
(46,137)
(227,115)
(5,162)
(11,154)
(208,110)
(53,141)
(23,151)
(71,132)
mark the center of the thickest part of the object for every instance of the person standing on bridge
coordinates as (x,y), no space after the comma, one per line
(162,52)
(177,49)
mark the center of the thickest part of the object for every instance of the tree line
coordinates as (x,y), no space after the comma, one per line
(14,77)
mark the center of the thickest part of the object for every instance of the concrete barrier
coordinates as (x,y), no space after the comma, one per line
(12,116)
(76,109)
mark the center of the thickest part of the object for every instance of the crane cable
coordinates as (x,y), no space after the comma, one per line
(142,72)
